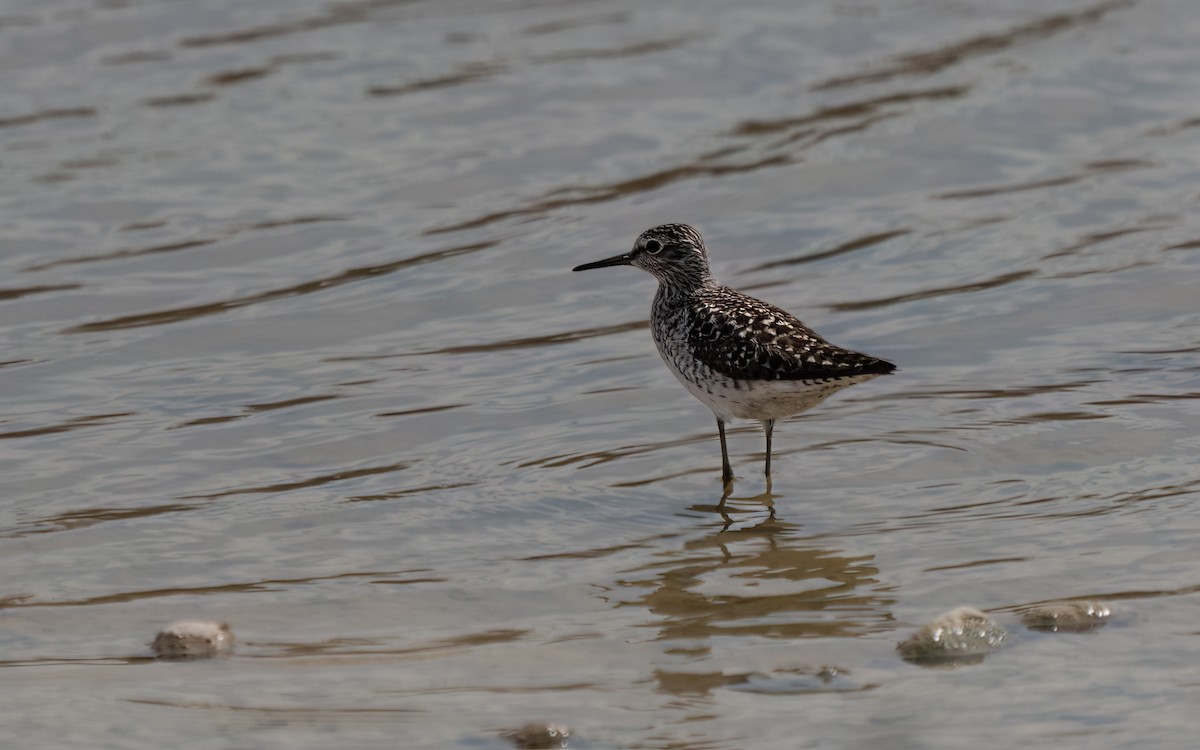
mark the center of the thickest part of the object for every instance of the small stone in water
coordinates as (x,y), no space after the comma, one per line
(539,736)
(1067,617)
(193,639)
(960,636)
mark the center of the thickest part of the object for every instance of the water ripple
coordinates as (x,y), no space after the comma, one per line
(356,11)
(313,481)
(76,423)
(47,114)
(545,340)
(17,293)
(174,315)
(176,246)
(992,283)
(934,61)
(269,584)
(464,73)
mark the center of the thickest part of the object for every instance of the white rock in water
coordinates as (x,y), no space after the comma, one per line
(1067,617)
(539,735)
(193,639)
(962,635)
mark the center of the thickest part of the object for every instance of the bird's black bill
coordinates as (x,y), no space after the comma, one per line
(616,260)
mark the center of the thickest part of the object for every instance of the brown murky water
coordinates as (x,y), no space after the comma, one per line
(289,340)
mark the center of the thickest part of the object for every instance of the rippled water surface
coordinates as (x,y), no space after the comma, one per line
(289,340)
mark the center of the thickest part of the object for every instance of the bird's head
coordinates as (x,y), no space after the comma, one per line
(674,253)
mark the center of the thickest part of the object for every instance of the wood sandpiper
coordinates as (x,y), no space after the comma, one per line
(742,357)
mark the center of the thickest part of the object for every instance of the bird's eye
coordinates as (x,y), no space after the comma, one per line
(652,246)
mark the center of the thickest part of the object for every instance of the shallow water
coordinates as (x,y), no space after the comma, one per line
(290,341)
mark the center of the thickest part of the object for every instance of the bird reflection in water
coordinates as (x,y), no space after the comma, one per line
(752,576)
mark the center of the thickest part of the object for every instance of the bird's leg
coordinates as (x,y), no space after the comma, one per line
(726,469)
(768,427)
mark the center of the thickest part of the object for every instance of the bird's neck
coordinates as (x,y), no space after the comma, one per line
(685,283)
